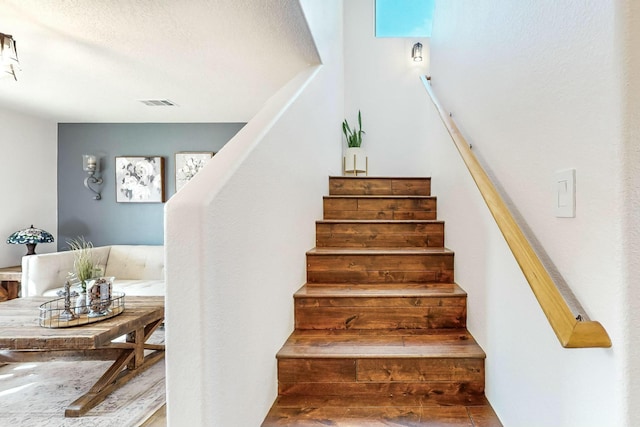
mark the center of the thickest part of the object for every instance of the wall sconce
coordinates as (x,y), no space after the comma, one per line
(9,64)
(416,52)
(91,165)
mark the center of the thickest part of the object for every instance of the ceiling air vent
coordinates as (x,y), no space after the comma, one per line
(158,103)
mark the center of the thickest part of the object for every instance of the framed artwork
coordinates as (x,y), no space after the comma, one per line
(188,164)
(139,179)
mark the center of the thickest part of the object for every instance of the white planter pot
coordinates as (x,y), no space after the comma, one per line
(355,160)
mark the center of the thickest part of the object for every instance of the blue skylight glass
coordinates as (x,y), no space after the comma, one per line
(404,18)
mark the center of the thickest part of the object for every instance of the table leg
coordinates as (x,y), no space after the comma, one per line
(9,289)
(130,363)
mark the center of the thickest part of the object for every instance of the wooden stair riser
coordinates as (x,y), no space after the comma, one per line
(380,313)
(380,208)
(379,234)
(382,370)
(380,186)
(380,268)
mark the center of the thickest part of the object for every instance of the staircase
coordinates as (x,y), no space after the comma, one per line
(380,326)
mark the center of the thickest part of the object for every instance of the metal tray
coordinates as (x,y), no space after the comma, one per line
(52,313)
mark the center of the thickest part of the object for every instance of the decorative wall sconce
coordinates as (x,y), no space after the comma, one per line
(416,52)
(8,56)
(31,237)
(91,165)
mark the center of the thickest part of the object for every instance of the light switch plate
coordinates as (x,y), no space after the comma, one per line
(565,193)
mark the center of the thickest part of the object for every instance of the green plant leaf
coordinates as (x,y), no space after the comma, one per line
(353,137)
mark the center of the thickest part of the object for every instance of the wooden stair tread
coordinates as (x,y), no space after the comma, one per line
(357,415)
(378,196)
(380,221)
(396,343)
(326,290)
(379,177)
(364,401)
(380,251)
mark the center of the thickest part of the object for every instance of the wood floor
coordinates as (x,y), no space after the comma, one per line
(158,419)
(380,326)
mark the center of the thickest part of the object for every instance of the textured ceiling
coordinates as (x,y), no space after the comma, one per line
(93,60)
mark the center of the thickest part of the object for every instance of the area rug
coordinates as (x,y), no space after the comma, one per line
(36,394)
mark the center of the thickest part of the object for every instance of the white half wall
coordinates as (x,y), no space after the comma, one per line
(629,19)
(236,238)
(535,88)
(383,82)
(28,181)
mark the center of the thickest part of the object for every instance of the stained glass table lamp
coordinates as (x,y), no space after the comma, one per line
(31,237)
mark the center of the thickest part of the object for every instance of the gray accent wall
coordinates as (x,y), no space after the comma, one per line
(105,222)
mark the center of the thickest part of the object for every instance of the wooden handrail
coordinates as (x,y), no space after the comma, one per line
(571,332)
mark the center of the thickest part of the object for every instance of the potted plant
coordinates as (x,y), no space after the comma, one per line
(83,265)
(84,269)
(354,160)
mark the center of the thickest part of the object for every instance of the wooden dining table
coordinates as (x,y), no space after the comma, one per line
(22,339)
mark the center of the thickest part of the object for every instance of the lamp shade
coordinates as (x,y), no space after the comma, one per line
(31,237)
(416,52)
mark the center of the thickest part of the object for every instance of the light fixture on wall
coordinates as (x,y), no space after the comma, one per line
(91,165)
(31,237)
(416,52)
(8,56)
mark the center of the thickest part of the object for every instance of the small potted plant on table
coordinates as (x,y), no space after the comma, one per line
(84,269)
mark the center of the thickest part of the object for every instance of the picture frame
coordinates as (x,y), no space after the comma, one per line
(188,164)
(140,179)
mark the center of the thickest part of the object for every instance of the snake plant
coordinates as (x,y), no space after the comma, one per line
(354,137)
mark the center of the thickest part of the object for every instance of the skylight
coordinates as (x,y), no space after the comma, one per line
(404,18)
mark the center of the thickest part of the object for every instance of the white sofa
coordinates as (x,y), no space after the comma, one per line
(138,270)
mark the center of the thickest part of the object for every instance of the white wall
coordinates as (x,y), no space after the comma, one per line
(383,82)
(27,181)
(629,18)
(534,86)
(236,238)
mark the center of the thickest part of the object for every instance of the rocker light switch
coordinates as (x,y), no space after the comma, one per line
(565,197)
